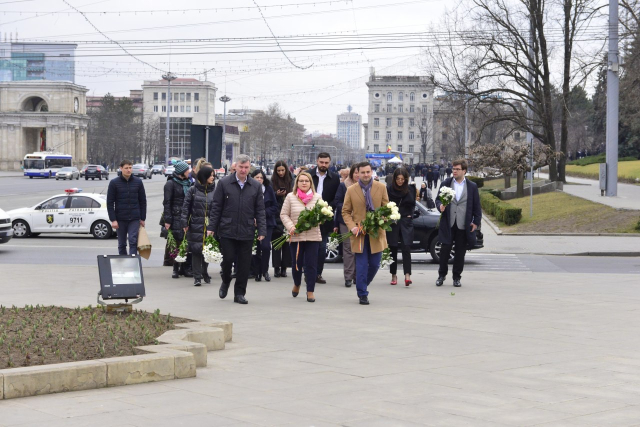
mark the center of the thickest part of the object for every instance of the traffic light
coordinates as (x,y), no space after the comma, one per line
(292,146)
(313,145)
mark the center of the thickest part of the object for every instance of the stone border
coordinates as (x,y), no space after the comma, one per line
(181,351)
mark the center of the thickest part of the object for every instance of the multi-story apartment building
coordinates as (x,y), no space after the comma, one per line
(400,116)
(37,61)
(192,102)
(348,126)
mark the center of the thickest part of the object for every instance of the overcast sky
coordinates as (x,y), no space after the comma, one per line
(252,80)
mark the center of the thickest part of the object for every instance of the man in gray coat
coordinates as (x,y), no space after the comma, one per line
(238,207)
(459,222)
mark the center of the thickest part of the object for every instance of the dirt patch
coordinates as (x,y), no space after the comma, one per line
(44,335)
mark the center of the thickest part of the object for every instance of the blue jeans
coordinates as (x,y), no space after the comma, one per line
(367,265)
(130,229)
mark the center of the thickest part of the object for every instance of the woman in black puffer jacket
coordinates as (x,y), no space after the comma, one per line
(174,193)
(195,215)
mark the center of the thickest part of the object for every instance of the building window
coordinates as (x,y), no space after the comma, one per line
(399,135)
(412,136)
(400,122)
(424,108)
(412,108)
(189,97)
(412,96)
(516,135)
(412,122)
(388,121)
(164,96)
(376,121)
(196,96)
(182,108)
(196,109)
(175,108)
(376,135)
(388,135)
(376,148)
(389,97)
(155,96)
(188,108)
(376,108)
(164,108)
(182,97)
(411,148)
(155,108)
(400,109)
(388,108)
(400,147)
(401,96)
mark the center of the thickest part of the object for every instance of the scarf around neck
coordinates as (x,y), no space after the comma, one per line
(305,197)
(367,194)
(186,183)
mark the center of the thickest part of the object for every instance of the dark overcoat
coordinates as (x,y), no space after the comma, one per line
(473,215)
(197,207)
(403,228)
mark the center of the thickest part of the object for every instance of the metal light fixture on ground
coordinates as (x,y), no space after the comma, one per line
(121,278)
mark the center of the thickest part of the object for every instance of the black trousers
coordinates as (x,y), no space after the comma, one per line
(199,266)
(406,259)
(240,251)
(306,256)
(260,261)
(459,237)
(322,252)
(280,258)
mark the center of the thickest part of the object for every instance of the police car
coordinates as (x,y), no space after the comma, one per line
(71,212)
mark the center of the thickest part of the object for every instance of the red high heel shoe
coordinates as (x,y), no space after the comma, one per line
(407,282)
(394,282)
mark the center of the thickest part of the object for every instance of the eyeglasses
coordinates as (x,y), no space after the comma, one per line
(457,169)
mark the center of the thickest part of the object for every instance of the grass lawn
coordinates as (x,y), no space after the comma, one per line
(559,212)
(498,183)
(627,171)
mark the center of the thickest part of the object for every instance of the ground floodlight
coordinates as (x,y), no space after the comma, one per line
(120,278)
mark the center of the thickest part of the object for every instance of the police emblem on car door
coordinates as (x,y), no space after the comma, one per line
(49,219)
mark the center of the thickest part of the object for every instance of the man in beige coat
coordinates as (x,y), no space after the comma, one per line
(366,195)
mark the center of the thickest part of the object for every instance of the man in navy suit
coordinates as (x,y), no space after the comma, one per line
(459,222)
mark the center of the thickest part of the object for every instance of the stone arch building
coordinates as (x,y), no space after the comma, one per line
(41,115)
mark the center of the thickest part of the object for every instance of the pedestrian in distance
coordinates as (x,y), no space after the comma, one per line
(127,207)
(260,260)
(282,183)
(326,184)
(442,172)
(305,245)
(401,234)
(458,223)
(238,208)
(449,171)
(175,190)
(196,210)
(348,257)
(430,177)
(365,197)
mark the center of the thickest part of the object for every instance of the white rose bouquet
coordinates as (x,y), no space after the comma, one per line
(445,196)
(308,219)
(379,219)
(386,260)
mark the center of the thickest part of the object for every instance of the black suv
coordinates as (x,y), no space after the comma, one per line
(95,171)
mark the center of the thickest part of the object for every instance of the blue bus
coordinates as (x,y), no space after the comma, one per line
(44,164)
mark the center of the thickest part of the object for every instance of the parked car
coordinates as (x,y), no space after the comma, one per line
(141,170)
(69,172)
(169,170)
(6,231)
(83,170)
(425,236)
(158,169)
(96,171)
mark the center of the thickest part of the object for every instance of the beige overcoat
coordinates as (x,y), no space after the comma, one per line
(354,211)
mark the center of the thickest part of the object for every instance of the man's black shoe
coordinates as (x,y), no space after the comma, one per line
(440,281)
(188,273)
(207,279)
(258,278)
(348,283)
(224,288)
(456,283)
(283,273)
(320,280)
(267,277)
(175,275)
(276,272)
(364,300)
(240,299)
(197,282)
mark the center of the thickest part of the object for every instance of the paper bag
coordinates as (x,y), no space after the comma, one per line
(144,244)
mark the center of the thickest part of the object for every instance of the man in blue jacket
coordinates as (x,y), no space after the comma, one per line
(127,207)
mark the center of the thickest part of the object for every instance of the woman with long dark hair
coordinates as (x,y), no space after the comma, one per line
(196,208)
(260,264)
(401,234)
(282,183)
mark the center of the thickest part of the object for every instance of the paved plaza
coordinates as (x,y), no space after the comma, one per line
(508,348)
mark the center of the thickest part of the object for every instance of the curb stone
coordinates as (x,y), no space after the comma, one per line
(183,350)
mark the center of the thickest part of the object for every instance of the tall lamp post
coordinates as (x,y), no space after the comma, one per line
(169,77)
(224,100)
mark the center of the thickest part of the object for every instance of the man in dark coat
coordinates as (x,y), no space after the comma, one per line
(459,221)
(326,184)
(127,207)
(175,190)
(238,206)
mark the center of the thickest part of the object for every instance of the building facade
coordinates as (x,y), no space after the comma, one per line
(37,61)
(191,101)
(348,126)
(400,116)
(42,116)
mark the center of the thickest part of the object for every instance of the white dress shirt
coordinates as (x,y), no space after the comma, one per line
(320,182)
(459,188)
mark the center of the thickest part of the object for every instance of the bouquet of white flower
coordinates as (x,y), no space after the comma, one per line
(211,251)
(446,196)
(374,221)
(386,260)
(182,250)
(309,218)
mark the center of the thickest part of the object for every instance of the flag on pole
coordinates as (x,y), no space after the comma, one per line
(388,148)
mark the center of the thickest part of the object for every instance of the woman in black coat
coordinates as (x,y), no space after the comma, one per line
(401,234)
(175,190)
(195,213)
(282,183)
(271,209)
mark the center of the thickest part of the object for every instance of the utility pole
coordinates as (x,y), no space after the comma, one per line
(612,102)
(466,128)
(224,100)
(530,113)
(168,77)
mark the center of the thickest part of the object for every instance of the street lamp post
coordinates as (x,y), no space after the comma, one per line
(224,100)
(168,77)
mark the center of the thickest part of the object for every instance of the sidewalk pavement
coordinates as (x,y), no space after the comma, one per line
(11,174)
(505,349)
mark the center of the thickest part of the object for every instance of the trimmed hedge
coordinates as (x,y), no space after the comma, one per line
(638,225)
(503,211)
(478,180)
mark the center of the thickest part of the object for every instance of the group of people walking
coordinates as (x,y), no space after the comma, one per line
(243,207)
